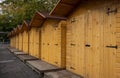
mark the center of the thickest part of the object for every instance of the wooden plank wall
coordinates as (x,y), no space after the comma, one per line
(37,42)
(52,36)
(11,42)
(118,42)
(89,31)
(20,41)
(34,47)
(17,41)
(25,42)
(31,49)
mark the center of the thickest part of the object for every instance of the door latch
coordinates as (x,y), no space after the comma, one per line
(87,45)
(112,46)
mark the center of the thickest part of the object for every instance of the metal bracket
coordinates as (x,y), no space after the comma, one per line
(72,68)
(56,44)
(72,44)
(56,62)
(111,11)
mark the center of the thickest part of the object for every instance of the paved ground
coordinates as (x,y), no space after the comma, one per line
(12,67)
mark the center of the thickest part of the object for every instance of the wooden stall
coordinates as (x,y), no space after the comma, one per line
(17,37)
(25,33)
(14,37)
(20,37)
(52,39)
(93,37)
(35,37)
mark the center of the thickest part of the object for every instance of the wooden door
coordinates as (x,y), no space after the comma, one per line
(100,44)
(26,41)
(57,46)
(36,42)
(31,45)
(117,66)
(93,43)
(17,41)
(50,43)
(44,41)
(75,45)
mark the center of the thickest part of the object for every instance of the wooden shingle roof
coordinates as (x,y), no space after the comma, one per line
(40,17)
(64,7)
(25,25)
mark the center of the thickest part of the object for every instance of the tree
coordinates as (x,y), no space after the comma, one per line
(15,11)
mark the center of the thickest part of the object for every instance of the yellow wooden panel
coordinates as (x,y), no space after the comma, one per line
(118,15)
(34,47)
(19,41)
(31,44)
(118,20)
(118,55)
(25,41)
(36,43)
(118,75)
(75,52)
(51,38)
(117,65)
(118,30)
(118,59)
(118,70)
(96,61)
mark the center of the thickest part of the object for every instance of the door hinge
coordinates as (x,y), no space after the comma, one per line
(72,44)
(111,11)
(72,68)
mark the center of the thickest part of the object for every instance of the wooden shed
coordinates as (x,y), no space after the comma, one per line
(25,34)
(20,37)
(53,39)
(17,37)
(93,37)
(14,37)
(35,37)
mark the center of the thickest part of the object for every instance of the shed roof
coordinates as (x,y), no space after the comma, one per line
(12,32)
(39,18)
(64,7)
(25,25)
(8,35)
(18,29)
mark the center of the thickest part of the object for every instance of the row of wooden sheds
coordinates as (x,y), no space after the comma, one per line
(82,36)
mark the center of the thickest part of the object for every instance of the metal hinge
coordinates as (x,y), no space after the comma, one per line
(112,11)
(72,44)
(72,68)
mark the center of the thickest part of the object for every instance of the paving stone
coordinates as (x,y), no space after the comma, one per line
(12,67)
(61,74)
(42,66)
